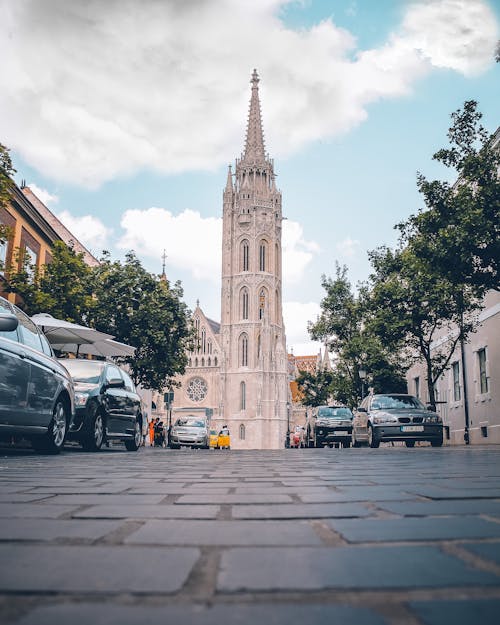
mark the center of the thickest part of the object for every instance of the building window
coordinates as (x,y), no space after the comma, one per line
(262,303)
(455,368)
(203,340)
(417,387)
(215,361)
(244,304)
(30,258)
(243,396)
(244,350)
(197,389)
(483,378)
(262,255)
(258,347)
(3,253)
(242,432)
(209,346)
(245,256)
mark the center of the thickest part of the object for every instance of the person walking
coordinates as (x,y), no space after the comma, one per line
(151,432)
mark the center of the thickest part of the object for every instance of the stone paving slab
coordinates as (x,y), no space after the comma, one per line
(34,510)
(234,499)
(275,614)
(414,529)
(225,533)
(309,568)
(476,611)
(300,511)
(90,500)
(50,529)
(487,551)
(22,498)
(441,507)
(437,492)
(380,494)
(163,511)
(96,569)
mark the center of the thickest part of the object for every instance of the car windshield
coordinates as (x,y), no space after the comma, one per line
(396,402)
(84,371)
(334,413)
(191,422)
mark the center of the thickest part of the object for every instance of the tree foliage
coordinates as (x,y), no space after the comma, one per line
(6,172)
(458,233)
(315,388)
(140,309)
(342,325)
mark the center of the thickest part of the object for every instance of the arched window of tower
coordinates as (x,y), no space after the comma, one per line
(203,340)
(245,256)
(243,396)
(262,303)
(244,350)
(244,303)
(242,432)
(262,255)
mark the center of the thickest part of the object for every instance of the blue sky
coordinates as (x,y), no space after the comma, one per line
(123,117)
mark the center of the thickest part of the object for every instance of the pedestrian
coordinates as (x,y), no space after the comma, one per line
(151,432)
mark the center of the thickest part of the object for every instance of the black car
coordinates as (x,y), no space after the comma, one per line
(329,425)
(395,417)
(36,392)
(107,405)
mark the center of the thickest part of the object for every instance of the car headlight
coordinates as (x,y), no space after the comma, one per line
(387,418)
(81,399)
(432,419)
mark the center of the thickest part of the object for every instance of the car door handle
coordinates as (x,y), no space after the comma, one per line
(22,355)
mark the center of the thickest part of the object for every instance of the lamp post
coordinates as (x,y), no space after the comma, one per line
(287,439)
(362,377)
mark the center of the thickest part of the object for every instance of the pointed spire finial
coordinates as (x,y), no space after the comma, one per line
(229,182)
(197,303)
(254,144)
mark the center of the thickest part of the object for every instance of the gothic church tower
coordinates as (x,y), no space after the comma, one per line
(254,385)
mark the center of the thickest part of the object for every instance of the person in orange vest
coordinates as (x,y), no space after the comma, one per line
(151,432)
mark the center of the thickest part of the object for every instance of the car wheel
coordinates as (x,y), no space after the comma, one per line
(94,435)
(346,444)
(373,439)
(437,442)
(135,443)
(53,441)
(410,443)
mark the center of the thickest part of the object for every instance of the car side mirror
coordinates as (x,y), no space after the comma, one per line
(115,383)
(361,409)
(429,407)
(8,322)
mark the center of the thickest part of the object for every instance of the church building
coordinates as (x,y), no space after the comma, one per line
(238,373)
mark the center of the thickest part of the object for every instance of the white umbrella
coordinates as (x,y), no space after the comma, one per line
(106,348)
(60,331)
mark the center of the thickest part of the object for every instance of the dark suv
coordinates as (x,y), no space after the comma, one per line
(107,405)
(36,392)
(395,417)
(329,425)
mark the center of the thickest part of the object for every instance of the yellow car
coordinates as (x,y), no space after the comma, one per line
(224,439)
(214,439)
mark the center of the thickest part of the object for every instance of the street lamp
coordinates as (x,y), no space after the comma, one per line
(362,377)
(287,439)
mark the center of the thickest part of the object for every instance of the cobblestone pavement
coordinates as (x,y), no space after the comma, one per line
(314,536)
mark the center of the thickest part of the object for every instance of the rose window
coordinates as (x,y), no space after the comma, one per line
(197,389)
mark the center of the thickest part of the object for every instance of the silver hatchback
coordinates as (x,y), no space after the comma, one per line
(395,417)
(189,431)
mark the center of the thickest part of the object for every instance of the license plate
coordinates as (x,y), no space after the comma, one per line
(337,432)
(412,428)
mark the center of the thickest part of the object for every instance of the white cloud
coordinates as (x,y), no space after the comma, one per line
(87,229)
(296,316)
(163,85)
(348,248)
(43,195)
(194,243)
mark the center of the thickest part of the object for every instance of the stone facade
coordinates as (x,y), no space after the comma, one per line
(238,372)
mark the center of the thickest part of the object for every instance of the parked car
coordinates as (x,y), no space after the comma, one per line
(189,431)
(395,417)
(107,405)
(36,392)
(329,425)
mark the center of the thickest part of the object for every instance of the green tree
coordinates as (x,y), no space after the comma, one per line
(415,305)
(142,310)
(458,232)
(6,173)
(315,388)
(342,325)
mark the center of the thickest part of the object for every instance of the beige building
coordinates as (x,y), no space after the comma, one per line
(481,395)
(238,373)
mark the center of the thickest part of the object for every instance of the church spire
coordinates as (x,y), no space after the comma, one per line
(229,182)
(254,144)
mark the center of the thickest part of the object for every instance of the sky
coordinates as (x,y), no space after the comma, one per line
(123,116)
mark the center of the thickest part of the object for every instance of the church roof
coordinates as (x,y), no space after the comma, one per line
(214,325)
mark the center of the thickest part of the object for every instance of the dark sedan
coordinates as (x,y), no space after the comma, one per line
(395,417)
(107,405)
(36,392)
